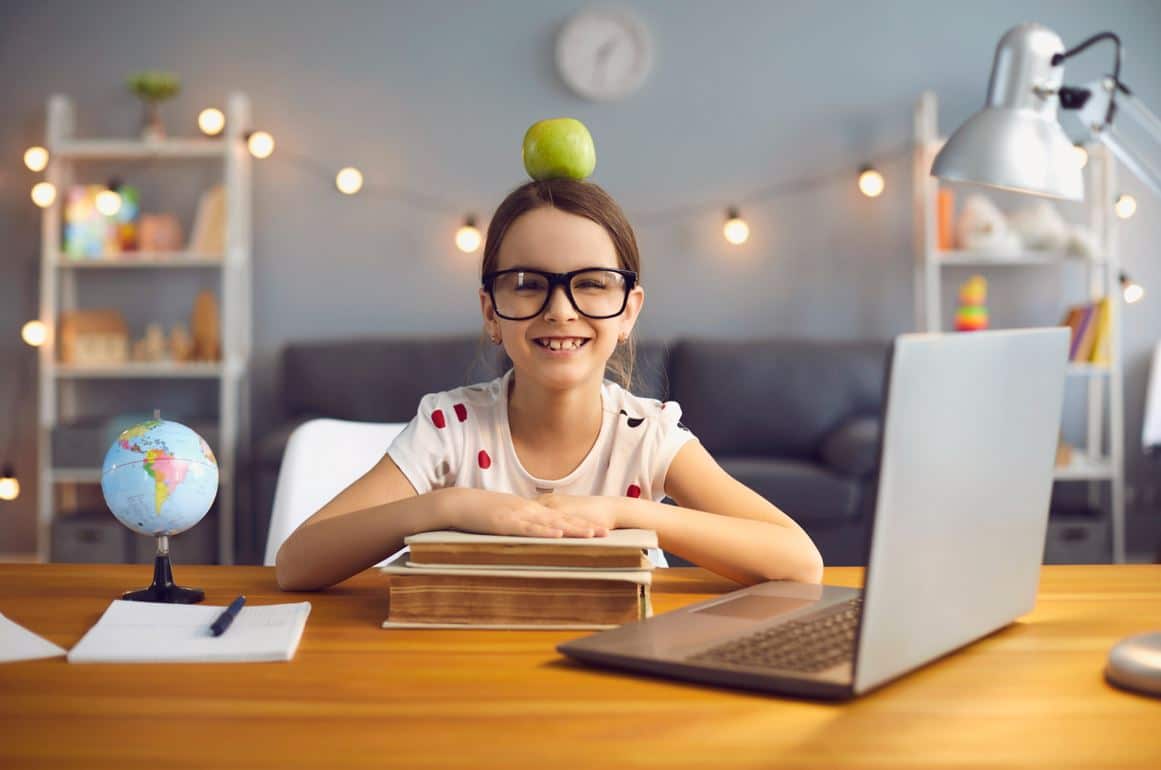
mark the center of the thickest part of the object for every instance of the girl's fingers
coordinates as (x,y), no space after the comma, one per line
(536,529)
(569,526)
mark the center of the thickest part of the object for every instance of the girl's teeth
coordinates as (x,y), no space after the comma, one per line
(563,345)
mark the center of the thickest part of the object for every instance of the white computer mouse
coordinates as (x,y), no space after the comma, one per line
(1135,664)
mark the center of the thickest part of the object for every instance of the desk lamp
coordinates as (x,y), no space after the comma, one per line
(1016,143)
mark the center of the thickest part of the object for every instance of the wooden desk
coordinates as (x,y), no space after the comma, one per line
(360,696)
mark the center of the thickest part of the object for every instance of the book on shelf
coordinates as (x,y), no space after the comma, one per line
(208,234)
(467,580)
(1100,350)
(1089,324)
(1085,335)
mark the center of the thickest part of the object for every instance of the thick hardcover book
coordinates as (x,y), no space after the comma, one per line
(1086,335)
(621,549)
(1100,349)
(489,597)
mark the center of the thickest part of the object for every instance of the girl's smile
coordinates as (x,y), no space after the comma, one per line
(561,346)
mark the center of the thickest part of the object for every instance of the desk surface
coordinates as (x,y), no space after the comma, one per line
(360,696)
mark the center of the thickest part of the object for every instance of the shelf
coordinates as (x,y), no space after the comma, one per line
(140,370)
(19,558)
(1088,370)
(129,149)
(1103,402)
(140,259)
(61,397)
(76,475)
(1023,259)
(1083,468)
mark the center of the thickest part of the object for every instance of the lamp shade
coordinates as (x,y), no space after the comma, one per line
(1016,142)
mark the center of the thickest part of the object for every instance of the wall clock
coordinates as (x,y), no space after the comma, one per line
(604,54)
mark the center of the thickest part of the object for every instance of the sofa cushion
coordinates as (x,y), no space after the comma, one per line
(650,379)
(382,379)
(773,398)
(853,447)
(805,491)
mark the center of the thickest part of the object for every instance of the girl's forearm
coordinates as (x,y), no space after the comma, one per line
(745,550)
(326,551)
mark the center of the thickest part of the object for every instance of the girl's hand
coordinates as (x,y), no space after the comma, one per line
(599,511)
(498,513)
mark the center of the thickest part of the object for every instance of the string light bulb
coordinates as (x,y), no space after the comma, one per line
(34,333)
(871,182)
(735,230)
(468,237)
(36,158)
(211,121)
(261,144)
(349,180)
(1133,291)
(108,201)
(1081,154)
(9,484)
(43,194)
(1125,206)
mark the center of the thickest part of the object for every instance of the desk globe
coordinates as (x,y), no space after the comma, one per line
(160,478)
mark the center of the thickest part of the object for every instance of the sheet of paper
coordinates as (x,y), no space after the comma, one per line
(18,643)
(144,632)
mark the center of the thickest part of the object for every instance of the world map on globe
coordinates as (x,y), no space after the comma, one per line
(159,477)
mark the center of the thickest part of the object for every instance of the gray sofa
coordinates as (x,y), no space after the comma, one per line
(795,420)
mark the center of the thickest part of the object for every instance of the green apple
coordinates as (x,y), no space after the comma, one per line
(559,147)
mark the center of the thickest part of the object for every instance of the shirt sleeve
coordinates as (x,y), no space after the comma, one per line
(671,437)
(425,450)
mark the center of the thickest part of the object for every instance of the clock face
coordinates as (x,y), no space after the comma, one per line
(604,54)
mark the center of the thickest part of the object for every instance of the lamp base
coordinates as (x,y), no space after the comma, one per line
(1135,664)
(163,590)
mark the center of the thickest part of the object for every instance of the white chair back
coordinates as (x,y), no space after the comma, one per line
(321,459)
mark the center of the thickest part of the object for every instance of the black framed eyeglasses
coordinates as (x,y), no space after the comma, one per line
(596,292)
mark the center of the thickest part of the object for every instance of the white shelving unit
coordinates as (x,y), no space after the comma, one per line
(59,277)
(1098,462)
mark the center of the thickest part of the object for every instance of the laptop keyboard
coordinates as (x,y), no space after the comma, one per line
(809,645)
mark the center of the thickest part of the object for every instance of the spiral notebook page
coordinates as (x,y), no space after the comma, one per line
(144,632)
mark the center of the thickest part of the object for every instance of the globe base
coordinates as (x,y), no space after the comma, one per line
(163,590)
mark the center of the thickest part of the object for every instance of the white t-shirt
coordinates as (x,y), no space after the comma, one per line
(461,438)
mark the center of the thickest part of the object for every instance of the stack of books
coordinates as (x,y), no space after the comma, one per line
(454,579)
(1090,332)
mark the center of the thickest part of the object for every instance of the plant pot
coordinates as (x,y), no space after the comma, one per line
(152,129)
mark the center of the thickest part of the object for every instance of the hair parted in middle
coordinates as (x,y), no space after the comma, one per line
(584,199)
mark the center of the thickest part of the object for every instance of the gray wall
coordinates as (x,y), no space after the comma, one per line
(435,97)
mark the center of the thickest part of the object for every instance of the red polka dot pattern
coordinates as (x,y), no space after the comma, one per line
(483,459)
(437,419)
(461,412)
(633,491)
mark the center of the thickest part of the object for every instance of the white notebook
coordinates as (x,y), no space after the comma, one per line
(146,632)
(18,643)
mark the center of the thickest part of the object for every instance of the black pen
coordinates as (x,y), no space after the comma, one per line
(226,618)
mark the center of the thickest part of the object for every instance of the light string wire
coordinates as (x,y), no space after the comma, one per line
(435,204)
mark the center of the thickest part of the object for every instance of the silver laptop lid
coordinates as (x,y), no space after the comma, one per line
(972,422)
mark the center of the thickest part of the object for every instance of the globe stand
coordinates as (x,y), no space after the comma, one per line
(163,590)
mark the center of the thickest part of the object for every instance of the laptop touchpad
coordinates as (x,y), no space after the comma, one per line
(755,606)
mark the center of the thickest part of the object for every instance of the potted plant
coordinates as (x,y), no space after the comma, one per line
(153,88)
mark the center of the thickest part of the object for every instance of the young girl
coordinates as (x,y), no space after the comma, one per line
(552,449)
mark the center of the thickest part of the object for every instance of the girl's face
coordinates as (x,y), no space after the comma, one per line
(559,348)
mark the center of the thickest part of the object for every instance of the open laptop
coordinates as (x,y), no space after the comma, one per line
(970,427)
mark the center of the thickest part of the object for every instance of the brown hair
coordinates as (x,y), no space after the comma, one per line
(584,199)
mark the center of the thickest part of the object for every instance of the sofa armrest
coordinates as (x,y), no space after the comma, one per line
(853,447)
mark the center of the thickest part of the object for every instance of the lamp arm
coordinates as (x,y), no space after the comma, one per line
(1059,58)
(1136,137)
